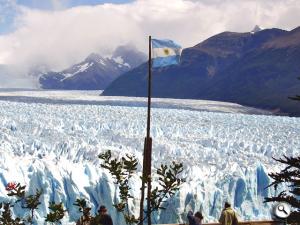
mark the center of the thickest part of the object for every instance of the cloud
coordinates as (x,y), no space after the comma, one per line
(59,38)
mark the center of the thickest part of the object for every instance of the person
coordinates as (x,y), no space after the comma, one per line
(103,218)
(228,215)
(195,219)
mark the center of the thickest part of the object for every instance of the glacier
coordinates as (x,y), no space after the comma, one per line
(51,139)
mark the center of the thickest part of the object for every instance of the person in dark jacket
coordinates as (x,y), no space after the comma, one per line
(195,219)
(103,218)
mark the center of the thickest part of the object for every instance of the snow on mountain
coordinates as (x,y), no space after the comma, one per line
(120,61)
(79,68)
(83,67)
(95,72)
(51,141)
(129,55)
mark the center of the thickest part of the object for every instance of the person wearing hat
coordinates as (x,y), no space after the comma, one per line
(103,218)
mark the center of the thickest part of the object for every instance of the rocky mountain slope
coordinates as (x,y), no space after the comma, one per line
(255,68)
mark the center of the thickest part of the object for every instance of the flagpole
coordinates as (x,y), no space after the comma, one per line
(149,139)
(147,152)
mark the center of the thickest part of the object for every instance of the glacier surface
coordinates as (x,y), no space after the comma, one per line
(51,139)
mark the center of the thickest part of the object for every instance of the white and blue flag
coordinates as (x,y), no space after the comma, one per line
(165,53)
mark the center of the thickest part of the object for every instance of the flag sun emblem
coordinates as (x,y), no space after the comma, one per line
(166,51)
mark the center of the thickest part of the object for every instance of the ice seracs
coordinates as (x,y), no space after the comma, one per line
(226,156)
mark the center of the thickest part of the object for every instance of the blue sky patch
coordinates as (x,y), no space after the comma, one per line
(9,9)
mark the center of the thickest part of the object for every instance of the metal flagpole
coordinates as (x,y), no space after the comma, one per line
(148,138)
(147,152)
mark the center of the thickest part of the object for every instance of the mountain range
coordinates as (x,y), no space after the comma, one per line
(95,72)
(258,68)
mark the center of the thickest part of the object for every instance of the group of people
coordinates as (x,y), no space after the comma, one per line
(228,216)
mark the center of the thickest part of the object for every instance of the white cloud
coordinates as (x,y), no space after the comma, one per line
(60,38)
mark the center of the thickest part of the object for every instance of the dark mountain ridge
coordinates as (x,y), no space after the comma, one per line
(257,69)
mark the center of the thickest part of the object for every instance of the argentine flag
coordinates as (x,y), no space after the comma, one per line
(165,53)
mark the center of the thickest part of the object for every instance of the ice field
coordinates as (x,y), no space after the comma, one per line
(51,139)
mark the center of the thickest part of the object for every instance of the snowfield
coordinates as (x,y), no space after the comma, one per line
(51,139)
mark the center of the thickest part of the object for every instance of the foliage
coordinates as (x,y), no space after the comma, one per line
(85,210)
(81,204)
(16,190)
(32,202)
(169,183)
(123,169)
(6,217)
(56,214)
(290,176)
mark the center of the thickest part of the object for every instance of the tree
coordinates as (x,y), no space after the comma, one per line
(16,189)
(6,217)
(85,210)
(290,176)
(56,214)
(122,171)
(30,202)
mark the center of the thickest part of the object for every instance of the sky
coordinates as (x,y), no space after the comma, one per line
(55,34)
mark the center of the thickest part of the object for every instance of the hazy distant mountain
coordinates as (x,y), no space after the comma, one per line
(11,77)
(130,55)
(256,29)
(256,68)
(95,72)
